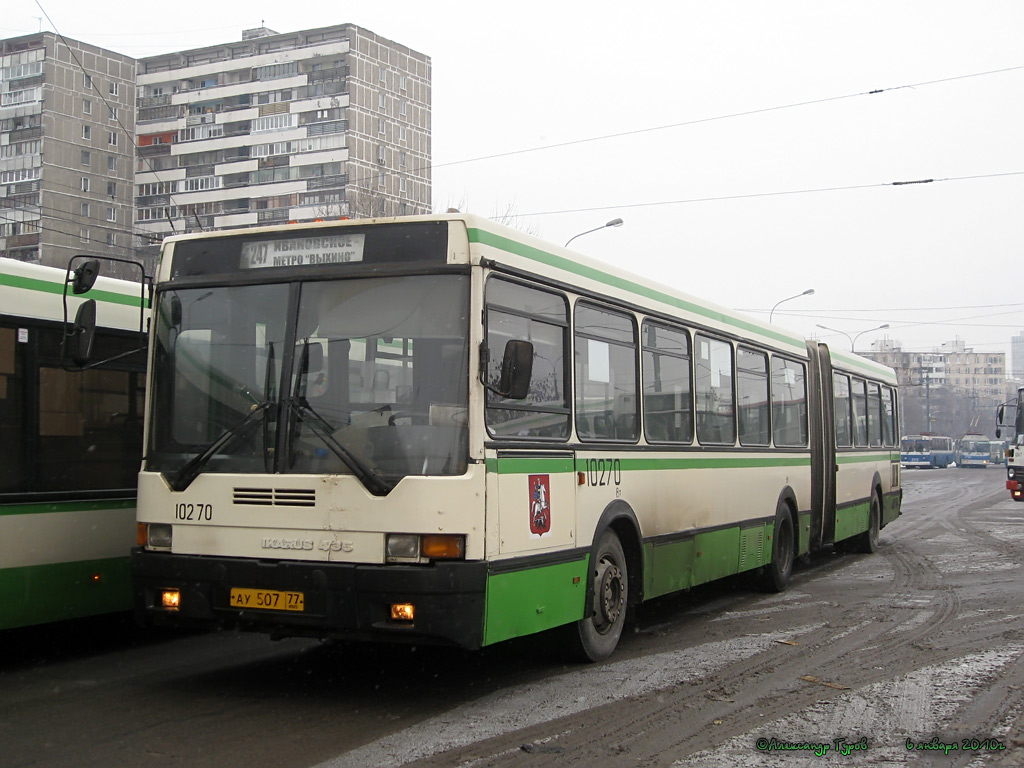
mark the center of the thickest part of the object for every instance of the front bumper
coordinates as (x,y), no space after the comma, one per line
(342,600)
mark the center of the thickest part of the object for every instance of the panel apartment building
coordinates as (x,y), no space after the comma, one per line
(67,111)
(301,126)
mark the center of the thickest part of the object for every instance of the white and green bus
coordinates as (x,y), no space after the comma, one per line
(71,443)
(439,429)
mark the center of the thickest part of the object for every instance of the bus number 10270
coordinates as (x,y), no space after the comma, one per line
(603,471)
(194,512)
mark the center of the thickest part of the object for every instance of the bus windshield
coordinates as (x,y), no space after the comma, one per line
(364,376)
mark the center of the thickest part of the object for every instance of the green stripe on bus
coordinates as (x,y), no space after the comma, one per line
(65,506)
(44,286)
(38,594)
(568,265)
(524,602)
(865,458)
(524,466)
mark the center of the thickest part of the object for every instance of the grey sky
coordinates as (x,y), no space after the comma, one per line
(789,84)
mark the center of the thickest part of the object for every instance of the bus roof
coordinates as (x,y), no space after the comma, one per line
(35,291)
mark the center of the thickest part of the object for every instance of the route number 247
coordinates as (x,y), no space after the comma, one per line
(603,471)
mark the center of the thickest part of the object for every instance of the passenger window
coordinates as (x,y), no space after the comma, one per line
(606,375)
(789,402)
(713,380)
(752,397)
(668,410)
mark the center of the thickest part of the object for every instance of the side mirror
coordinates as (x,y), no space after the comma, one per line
(85,276)
(516,369)
(83,333)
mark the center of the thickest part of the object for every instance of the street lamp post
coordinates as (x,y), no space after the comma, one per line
(612,223)
(853,339)
(808,292)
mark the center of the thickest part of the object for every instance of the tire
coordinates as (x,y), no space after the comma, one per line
(867,543)
(775,576)
(597,634)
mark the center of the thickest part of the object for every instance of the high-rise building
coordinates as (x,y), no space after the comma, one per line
(1017,355)
(67,112)
(301,126)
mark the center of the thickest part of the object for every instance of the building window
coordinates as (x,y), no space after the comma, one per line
(83,234)
(111,163)
(381,101)
(111,214)
(86,132)
(86,107)
(112,138)
(85,183)
(111,238)
(88,83)
(112,189)
(86,157)
(380,126)
(401,82)
(85,210)
(381,74)
(113,89)
(113,113)
(402,109)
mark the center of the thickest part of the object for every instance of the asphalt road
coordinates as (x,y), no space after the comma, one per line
(910,656)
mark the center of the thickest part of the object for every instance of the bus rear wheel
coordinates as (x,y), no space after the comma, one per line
(775,576)
(867,542)
(597,634)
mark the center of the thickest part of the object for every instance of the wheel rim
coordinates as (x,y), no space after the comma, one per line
(784,541)
(609,594)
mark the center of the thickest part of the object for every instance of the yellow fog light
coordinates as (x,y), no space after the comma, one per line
(170,599)
(403,611)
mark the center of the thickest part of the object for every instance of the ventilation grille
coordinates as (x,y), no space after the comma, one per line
(275,497)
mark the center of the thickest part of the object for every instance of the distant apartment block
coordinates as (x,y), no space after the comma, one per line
(67,111)
(301,126)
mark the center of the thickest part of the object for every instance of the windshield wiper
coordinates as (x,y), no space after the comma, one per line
(183,478)
(320,427)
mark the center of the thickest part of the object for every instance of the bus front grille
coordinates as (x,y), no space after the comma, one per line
(275,497)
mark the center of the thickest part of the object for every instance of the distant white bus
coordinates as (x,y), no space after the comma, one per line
(439,429)
(71,443)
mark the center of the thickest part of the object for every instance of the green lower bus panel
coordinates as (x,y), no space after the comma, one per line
(668,567)
(716,555)
(42,593)
(524,602)
(890,508)
(852,520)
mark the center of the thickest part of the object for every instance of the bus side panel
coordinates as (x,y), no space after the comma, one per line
(669,566)
(716,555)
(523,602)
(38,594)
(852,519)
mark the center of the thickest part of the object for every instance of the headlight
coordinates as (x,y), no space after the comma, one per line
(160,535)
(1011,473)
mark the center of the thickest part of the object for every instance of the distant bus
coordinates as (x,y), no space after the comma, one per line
(70,449)
(926,452)
(975,451)
(443,430)
(998,451)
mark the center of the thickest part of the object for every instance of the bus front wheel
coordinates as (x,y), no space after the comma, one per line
(598,633)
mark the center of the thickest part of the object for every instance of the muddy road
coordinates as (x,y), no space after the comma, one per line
(911,656)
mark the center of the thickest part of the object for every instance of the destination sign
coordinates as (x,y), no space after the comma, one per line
(303,251)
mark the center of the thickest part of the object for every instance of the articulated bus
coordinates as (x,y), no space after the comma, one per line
(442,430)
(71,443)
(975,451)
(927,452)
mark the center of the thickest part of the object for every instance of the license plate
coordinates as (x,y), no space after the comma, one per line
(267,599)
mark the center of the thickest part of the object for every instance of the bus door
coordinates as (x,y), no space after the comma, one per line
(823,447)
